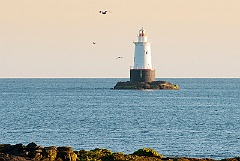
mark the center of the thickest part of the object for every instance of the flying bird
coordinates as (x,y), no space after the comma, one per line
(119,57)
(104,12)
(93,43)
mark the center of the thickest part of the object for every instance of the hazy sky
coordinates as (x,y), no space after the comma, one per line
(53,38)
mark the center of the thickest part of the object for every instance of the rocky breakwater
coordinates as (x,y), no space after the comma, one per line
(33,152)
(163,85)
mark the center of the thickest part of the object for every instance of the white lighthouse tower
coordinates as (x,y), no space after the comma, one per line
(142,71)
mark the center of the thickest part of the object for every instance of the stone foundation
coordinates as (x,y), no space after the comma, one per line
(142,75)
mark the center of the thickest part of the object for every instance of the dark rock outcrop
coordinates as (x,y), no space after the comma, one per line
(66,154)
(36,153)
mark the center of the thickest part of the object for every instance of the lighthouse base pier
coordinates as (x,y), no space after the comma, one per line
(142,75)
(161,85)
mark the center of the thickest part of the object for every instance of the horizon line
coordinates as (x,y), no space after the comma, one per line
(115,77)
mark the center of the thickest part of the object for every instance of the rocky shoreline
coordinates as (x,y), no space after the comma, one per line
(34,152)
(162,85)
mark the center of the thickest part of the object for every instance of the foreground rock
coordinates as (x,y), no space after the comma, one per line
(33,152)
(36,153)
(146,85)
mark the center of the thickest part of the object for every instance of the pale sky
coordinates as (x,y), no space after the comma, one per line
(53,38)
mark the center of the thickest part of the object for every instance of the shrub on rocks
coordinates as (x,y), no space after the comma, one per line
(147,152)
(96,154)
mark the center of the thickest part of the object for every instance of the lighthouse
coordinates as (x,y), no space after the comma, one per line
(142,71)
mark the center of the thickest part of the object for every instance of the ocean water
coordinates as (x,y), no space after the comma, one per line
(202,119)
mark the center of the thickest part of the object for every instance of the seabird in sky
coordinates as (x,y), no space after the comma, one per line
(119,57)
(104,12)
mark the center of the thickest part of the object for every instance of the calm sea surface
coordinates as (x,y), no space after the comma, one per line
(200,120)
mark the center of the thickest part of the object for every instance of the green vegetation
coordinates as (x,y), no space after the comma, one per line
(94,155)
(147,152)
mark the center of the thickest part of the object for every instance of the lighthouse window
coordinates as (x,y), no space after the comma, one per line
(146,52)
